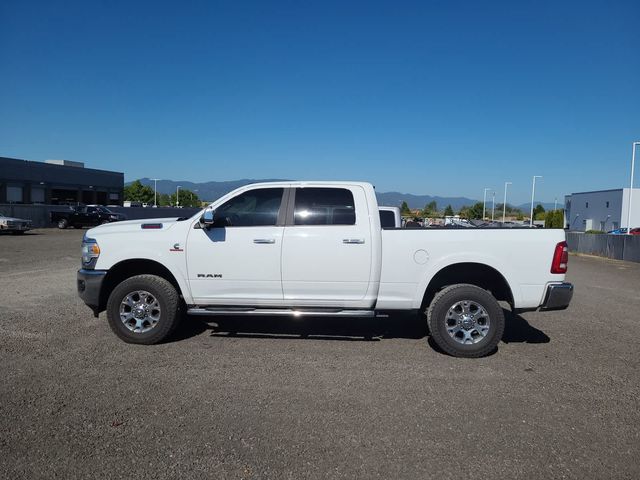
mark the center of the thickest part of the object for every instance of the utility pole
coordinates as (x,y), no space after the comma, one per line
(533,192)
(484,202)
(155,191)
(504,204)
(178,195)
(493,208)
(633,164)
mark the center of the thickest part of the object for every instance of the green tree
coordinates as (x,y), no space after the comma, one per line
(164,200)
(471,213)
(136,192)
(558,218)
(448,212)
(430,209)
(554,219)
(539,209)
(404,209)
(186,197)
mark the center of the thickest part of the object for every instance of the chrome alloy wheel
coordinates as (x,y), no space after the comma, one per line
(140,311)
(467,322)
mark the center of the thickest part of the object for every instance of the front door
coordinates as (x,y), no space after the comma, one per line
(326,253)
(238,261)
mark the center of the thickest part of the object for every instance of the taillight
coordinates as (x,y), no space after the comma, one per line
(560,258)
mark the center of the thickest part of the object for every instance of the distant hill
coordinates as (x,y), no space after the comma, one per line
(206,190)
(526,207)
(395,199)
(211,190)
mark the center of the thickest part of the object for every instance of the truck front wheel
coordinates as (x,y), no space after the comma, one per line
(465,321)
(143,309)
(62,224)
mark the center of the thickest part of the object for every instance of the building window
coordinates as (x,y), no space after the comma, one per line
(586,205)
(37,195)
(14,194)
(607,204)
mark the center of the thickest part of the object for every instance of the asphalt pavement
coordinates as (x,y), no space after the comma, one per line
(322,398)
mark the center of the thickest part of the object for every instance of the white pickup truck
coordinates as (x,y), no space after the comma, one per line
(317,248)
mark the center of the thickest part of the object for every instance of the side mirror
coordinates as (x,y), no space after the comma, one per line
(208,218)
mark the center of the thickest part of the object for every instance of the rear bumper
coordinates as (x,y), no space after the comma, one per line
(558,296)
(89,285)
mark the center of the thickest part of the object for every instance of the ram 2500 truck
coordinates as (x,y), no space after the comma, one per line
(317,248)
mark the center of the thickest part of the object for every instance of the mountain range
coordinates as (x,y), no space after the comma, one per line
(212,190)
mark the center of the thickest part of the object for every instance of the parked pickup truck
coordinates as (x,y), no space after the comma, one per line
(85,216)
(17,226)
(317,248)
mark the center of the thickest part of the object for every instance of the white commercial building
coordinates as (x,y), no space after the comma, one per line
(601,210)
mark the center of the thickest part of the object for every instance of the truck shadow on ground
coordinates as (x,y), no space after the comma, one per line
(396,325)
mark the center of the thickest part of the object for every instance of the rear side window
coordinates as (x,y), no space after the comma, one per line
(254,208)
(387,219)
(324,206)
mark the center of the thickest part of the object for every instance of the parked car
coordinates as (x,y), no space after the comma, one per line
(618,231)
(17,226)
(317,248)
(635,231)
(85,216)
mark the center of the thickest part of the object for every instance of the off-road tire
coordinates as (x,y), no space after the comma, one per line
(167,297)
(437,320)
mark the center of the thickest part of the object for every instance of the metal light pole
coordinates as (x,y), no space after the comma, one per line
(555,204)
(155,191)
(178,195)
(533,192)
(493,207)
(504,204)
(484,202)
(633,164)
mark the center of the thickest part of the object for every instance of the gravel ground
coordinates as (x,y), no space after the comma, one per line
(273,398)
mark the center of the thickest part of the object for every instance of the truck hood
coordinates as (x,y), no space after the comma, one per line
(130,226)
(13,219)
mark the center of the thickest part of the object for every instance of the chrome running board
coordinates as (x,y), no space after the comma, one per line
(297,312)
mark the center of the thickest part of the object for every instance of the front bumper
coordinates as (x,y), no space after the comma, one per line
(558,296)
(89,286)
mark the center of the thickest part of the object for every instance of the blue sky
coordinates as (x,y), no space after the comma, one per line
(441,98)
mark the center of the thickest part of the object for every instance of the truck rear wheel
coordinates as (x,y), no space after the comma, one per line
(143,309)
(62,224)
(465,321)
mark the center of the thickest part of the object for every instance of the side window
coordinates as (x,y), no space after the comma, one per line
(324,206)
(387,219)
(92,209)
(253,208)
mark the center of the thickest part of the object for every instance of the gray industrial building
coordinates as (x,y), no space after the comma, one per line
(58,182)
(601,210)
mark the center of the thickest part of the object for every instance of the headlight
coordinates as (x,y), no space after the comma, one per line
(90,252)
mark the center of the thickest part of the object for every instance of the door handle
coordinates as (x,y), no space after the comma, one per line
(353,240)
(264,240)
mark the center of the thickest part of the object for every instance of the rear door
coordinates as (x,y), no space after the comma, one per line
(326,248)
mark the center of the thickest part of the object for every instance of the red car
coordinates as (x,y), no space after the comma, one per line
(635,231)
